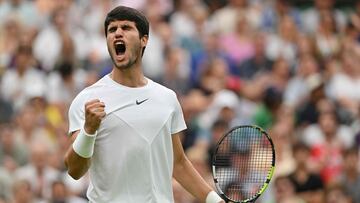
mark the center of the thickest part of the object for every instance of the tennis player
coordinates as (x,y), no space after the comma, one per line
(125,128)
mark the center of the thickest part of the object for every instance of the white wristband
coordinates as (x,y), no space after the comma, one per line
(213,197)
(84,144)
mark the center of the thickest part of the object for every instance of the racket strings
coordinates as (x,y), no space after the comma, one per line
(242,163)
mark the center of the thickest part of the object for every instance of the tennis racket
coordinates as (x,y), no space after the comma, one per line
(243,164)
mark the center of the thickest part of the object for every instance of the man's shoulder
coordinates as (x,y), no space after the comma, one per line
(163,89)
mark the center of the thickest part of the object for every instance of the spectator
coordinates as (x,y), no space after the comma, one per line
(282,44)
(308,112)
(22,192)
(298,89)
(257,64)
(10,33)
(327,140)
(154,57)
(194,103)
(272,15)
(279,75)
(224,20)
(6,184)
(211,49)
(28,129)
(239,43)
(38,173)
(285,191)
(13,153)
(351,176)
(311,16)
(308,184)
(326,36)
(60,44)
(328,129)
(281,133)
(265,115)
(172,77)
(23,81)
(60,193)
(337,194)
(342,82)
(25,11)
(65,83)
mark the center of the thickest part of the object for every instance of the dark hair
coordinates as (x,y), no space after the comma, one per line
(65,68)
(130,14)
(299,146)
(272,98)
(24,49)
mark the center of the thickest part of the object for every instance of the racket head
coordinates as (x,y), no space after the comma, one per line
(243,163)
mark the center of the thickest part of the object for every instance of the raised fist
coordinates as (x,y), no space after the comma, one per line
(94,112)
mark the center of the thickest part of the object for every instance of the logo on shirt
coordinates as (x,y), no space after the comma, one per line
(140,102)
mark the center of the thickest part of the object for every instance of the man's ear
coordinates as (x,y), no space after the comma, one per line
(144,40)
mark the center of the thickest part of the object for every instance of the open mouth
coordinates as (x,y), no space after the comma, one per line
(120,48)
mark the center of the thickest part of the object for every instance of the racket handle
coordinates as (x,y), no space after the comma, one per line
(213,197)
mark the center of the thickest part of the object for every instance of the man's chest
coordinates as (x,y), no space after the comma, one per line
(144,117)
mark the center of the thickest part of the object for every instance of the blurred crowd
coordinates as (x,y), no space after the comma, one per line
(294,71)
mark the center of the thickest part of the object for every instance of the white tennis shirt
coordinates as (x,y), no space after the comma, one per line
(133,155)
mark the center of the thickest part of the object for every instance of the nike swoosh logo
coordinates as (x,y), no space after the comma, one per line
(140,102)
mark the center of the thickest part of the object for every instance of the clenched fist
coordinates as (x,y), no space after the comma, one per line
(94,112)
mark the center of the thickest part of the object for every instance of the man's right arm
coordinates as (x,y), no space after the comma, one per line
(77,166)
(78,156)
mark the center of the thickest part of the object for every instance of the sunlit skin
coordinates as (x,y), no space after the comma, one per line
(127,64)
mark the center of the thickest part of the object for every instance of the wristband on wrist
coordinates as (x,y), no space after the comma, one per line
(84,144)
(213,197)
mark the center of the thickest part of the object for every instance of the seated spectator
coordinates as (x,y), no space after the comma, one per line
(13,152)
(224,19)
(282,134)
(308,184)
(22,192)
(272,15)
(308,112)
(328,129)
(10,33)
(327,139)
(342,82)
(326,37)
(24,10)
(285,191)
(60,193)
(265,115)
(211,49)
(38,173)
(257,64)
(22,81)
(298,89)
(282,43)
(61,42)
(351,176)
(337,194)
(65,83)
(311,16)
(172,76)
(6,184)
(239,45)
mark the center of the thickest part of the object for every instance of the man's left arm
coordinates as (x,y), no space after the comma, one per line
(188,177)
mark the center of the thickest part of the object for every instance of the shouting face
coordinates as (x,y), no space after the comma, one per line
(124,43)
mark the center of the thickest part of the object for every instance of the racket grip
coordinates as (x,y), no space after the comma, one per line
(213,197)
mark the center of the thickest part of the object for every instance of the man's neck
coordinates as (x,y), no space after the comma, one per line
(129,77)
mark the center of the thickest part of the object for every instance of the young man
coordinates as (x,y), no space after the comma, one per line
(125,128)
